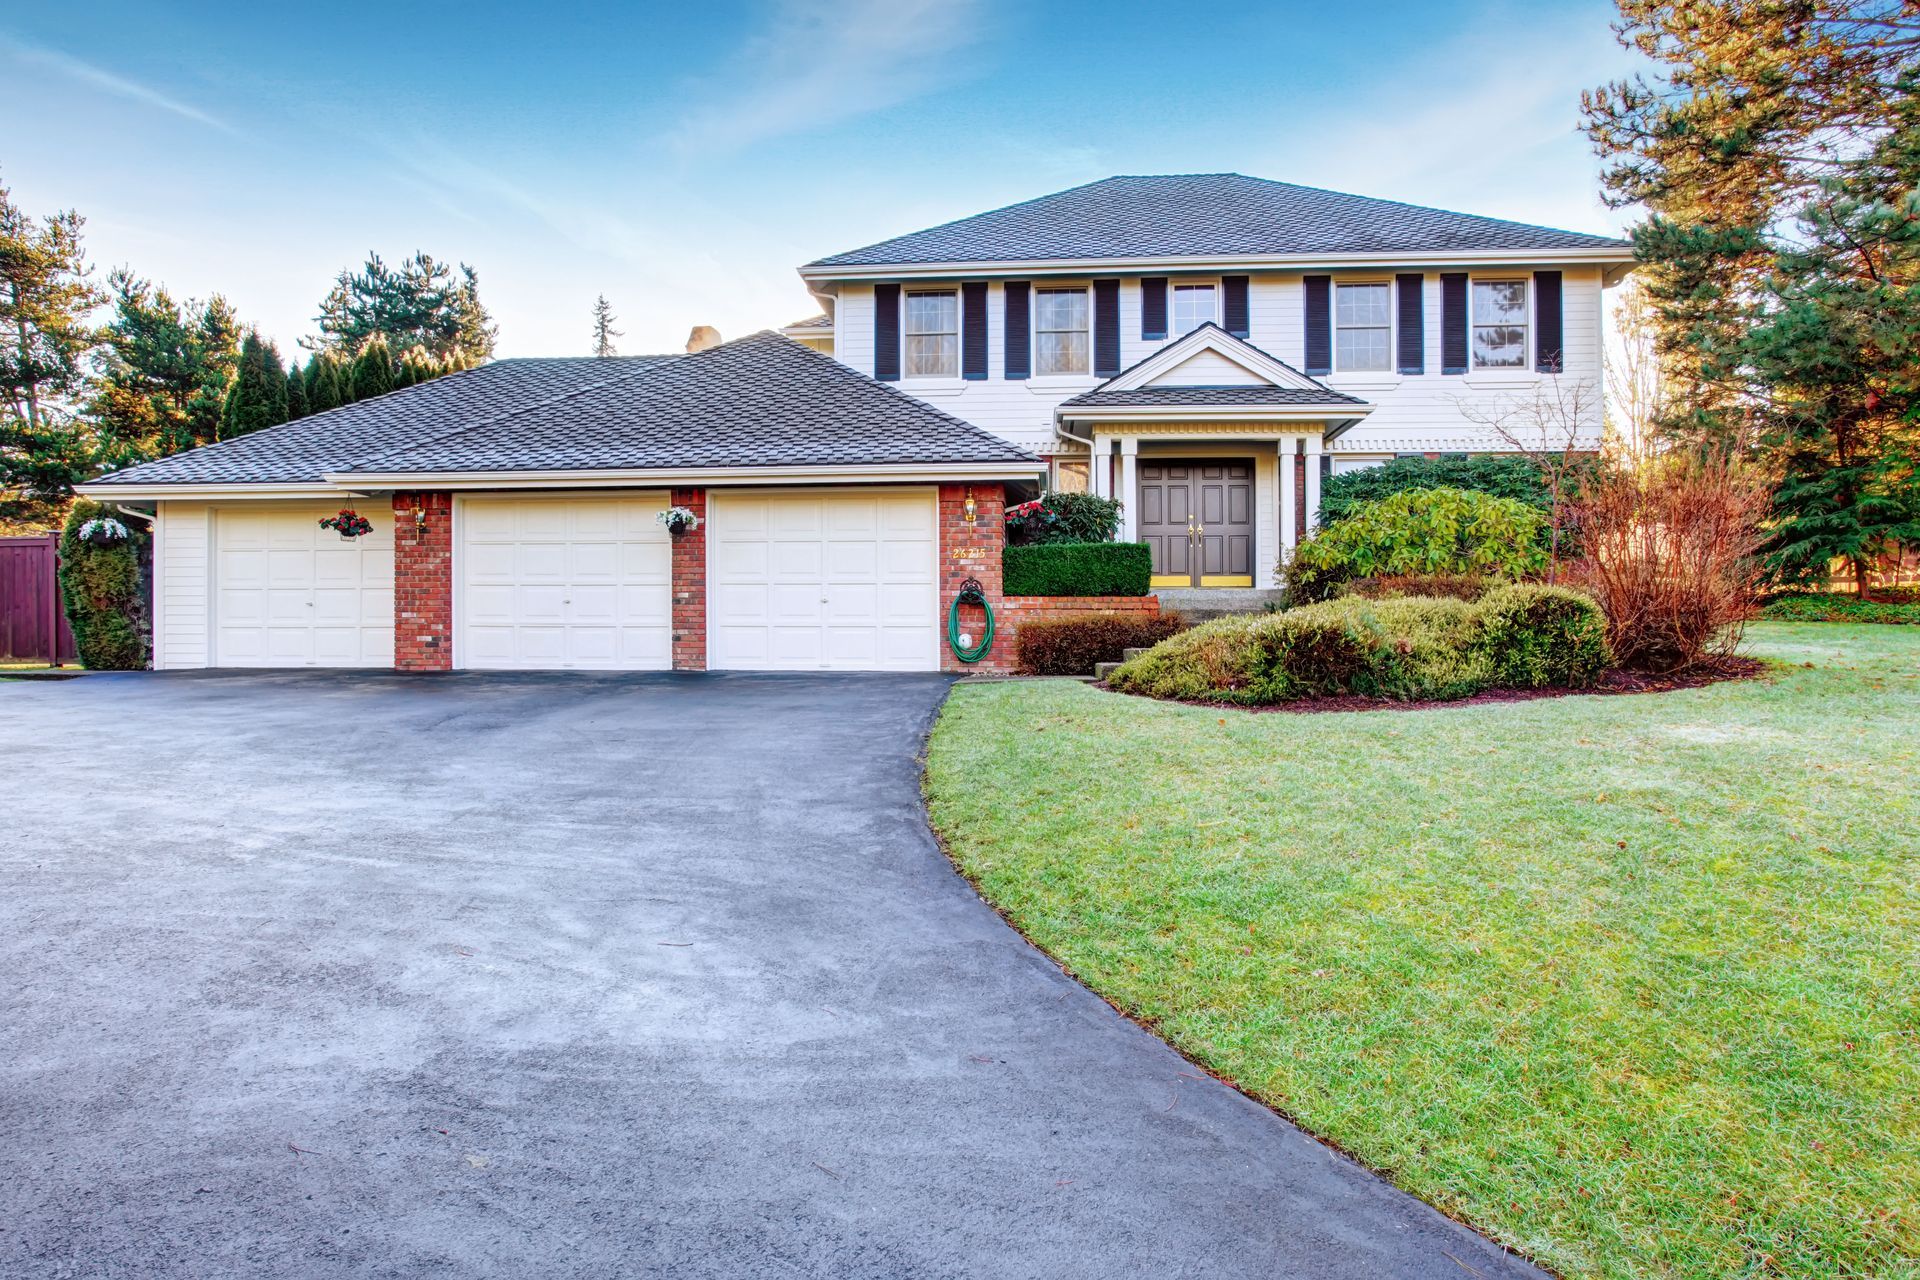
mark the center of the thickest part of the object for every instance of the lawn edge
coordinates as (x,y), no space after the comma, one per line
(1151,1027)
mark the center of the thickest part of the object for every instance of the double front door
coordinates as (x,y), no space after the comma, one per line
(1198,518)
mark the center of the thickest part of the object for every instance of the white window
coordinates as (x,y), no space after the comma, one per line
(933,335)
(1193,306)
(1060,340)
(1499,324)
(1361,340)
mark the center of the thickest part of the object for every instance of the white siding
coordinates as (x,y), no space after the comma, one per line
(1427,412)
(182,542)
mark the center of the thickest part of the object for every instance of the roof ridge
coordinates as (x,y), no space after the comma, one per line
(953,222)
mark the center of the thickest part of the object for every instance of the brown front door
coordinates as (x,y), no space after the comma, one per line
(1198,518)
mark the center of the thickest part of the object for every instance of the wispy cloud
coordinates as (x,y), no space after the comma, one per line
(820,62)
(109,82)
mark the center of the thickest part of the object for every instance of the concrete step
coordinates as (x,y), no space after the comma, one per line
(1101,670)
(1131,654)
(1203,604)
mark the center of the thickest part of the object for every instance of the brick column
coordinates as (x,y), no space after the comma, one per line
(972,551)
(690,586)
(423,581)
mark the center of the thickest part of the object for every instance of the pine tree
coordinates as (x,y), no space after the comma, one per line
(258,397)
(45,337)
(372,370)
(296,392)
(322,383)
(603,331)
(420,303)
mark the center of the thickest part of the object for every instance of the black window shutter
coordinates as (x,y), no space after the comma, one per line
(1019,330)
(1106,327)
(1233,306)
(1453,322)
(1549,339)
(1412,336)
(973,330)
(1153,308)
(1318,323)
(886,332)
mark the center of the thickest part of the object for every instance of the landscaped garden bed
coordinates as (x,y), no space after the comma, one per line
(1626,982)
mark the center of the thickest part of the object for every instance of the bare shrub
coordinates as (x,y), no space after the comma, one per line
(1672,555)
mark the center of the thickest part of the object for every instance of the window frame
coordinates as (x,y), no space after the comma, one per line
(906,333)
(1174,285)
(1085,290)
(1334,326)
(1525,325)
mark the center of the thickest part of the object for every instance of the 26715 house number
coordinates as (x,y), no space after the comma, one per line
(969,553)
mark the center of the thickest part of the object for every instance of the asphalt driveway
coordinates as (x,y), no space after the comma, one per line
(325,974)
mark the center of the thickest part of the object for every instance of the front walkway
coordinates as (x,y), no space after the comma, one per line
(342,975)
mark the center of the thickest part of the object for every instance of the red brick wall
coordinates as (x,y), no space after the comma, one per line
(972,551)
(423,581)
(690,586)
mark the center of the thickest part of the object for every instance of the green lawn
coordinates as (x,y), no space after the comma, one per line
(1630,983)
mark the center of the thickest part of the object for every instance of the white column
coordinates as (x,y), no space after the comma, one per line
(1129,494)
(1101,481)
(1313,482)
(1289,446)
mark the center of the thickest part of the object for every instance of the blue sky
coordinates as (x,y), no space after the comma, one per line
(683,159)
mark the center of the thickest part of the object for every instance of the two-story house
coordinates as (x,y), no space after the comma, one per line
(1203,347)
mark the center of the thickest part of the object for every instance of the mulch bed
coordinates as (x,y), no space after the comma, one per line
(1613,682)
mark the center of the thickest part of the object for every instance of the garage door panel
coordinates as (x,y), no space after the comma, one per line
(289,593)
(565,582)
(824,580)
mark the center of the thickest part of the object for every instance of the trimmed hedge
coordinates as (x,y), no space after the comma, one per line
(1409,648)
(1821,607)
(1077,569)
(1502,475)
(103,592)
(1072,646)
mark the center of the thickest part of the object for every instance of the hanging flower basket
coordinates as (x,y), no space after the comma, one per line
(103,531)
(349,524)
(678,520)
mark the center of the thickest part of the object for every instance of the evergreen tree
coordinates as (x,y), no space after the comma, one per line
(603,331)
(45,300)
(372,370)
(421,303)
(162,369)
(258,397)
(296,392)
(322,383)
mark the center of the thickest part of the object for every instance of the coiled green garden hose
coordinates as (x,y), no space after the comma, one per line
(971,592)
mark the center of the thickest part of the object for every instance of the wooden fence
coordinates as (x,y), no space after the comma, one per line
(32,623)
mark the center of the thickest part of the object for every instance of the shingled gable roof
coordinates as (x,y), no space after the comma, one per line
(759,401)
(1209,216)
(1134,386)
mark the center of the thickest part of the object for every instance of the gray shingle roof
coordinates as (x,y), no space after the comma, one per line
(762,400)
(1209,216)
(759,401)
(821,321)
(1209,397)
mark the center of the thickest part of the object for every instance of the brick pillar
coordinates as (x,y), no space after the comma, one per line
(423,581)
(690,586)
(972,551)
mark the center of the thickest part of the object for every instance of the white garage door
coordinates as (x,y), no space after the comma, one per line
(554,583)
(823,581)
(288,593)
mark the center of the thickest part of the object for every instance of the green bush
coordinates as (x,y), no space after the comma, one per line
(1502,475)
(1419,531)
(1063,517)
(1821,607)
(103,590)
(1536,637)
(1453,586)
(1077,569)
(1073,646)
(1407,648)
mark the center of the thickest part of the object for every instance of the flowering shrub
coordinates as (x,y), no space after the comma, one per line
(103,531)
(348,524)
(678,520)
(1063,517)
(1029,522)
